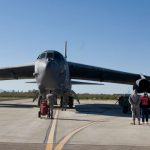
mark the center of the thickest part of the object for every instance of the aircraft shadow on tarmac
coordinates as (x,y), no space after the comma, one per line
(101,109)
(17,105)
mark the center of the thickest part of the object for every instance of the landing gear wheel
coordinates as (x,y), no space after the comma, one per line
(39,114)
(125,109)
(61,103)
(70,103)
(48,115)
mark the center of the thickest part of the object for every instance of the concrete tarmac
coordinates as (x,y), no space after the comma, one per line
(97,125)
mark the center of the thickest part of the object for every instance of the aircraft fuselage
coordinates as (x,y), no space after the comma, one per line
(52,72)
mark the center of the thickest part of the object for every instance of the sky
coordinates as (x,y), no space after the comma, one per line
(113,34)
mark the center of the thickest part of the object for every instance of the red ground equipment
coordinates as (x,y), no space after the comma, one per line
(44,109)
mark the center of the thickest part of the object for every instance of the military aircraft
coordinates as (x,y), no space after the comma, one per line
(53,72)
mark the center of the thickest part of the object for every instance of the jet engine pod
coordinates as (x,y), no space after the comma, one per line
(142,85)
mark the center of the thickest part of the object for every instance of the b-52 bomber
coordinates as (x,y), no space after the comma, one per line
(53,72)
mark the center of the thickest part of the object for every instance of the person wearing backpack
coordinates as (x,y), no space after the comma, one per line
(144,107)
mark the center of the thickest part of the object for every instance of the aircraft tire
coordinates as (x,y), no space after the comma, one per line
(70,103)
(39,114)
(48,115)
(125,109)
(61,103)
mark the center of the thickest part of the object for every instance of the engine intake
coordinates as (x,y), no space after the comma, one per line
(142,85)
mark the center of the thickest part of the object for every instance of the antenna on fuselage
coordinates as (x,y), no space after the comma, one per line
(65,49)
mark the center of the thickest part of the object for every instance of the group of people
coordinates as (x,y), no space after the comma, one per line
(139,107)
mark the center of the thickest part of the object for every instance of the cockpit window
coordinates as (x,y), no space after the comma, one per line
(58,56)
(42,56)
(50,55)
(54,55)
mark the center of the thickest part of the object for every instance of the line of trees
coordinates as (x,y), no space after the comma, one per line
(98,96)
(33,93)
(19,94)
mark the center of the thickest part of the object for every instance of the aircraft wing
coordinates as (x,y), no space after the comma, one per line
(77,71)
(86,72)
(18,72)
(75,82)
(85,83)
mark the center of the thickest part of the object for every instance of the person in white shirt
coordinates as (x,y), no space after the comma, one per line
(134,100)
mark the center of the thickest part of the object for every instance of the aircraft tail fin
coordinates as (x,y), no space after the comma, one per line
(65,49)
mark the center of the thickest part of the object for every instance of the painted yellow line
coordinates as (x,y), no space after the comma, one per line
(50,140)
(67,137)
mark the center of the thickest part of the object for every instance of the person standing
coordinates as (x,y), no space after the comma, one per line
(134,100)
(144,107)
(51,98)
(65,101)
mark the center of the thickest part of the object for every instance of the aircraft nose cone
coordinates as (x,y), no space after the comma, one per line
(51,71)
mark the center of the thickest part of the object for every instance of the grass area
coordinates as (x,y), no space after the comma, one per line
(32,94)
(98,96)
(14,94)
